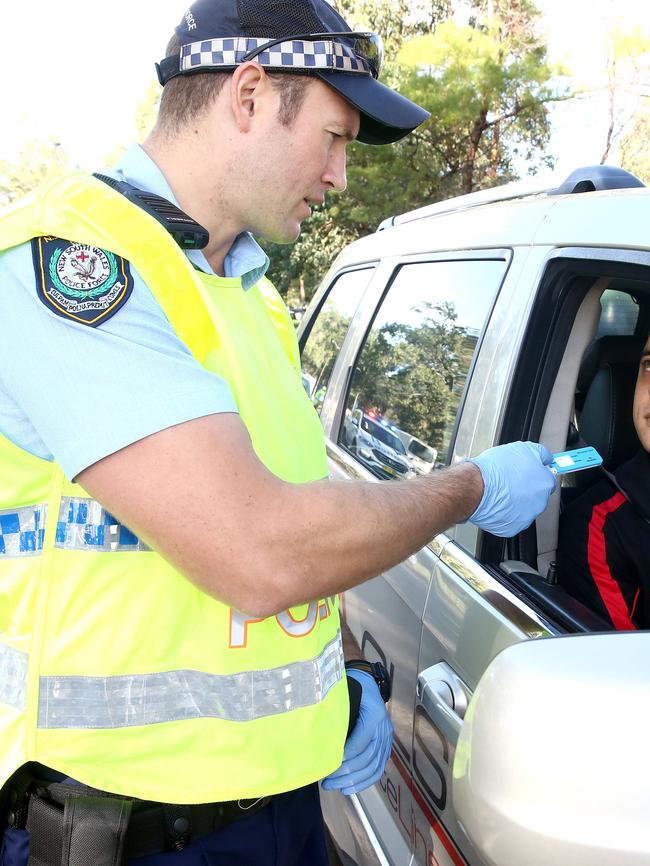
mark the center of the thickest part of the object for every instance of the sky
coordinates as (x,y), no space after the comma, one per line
(76,73)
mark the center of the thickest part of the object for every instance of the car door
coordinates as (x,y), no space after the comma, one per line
(404,368)
(469,615)
(469,618)
(522,387)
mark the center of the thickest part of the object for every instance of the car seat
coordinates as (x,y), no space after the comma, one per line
(604,399)
(600,353)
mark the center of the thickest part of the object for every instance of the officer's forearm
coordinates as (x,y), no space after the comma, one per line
(198,494)
(338,533)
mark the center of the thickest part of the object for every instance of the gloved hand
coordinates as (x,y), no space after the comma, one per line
(518,485)
(368,747)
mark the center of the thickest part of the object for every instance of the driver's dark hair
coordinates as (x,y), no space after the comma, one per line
(186,97)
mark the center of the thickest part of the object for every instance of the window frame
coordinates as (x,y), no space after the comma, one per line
(322,295)
(370,309)
(550,322)
(313,313)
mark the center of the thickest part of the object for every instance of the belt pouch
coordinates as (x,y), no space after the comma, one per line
(90,830)
(94,831)
(45,827)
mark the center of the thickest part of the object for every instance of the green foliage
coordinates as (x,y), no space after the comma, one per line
(631,46)
(39,161)
(488,102)
(327,232)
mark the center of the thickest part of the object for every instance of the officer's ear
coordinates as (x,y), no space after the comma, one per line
(250,88)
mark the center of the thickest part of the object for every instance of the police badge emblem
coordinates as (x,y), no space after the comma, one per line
(80,282)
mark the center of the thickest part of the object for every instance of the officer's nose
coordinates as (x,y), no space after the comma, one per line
(335,173)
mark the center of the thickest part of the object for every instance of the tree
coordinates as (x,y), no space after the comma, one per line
(489,100)
(396,20)
(42,160)
(634,150)
(39,161)
(409,374)
(627,68)
(487,85)
(512,25)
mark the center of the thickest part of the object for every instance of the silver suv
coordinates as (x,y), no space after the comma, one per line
(476,321)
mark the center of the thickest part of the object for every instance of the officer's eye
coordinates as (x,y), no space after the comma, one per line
(645,365)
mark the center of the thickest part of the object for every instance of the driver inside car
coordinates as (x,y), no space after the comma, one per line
(604,544)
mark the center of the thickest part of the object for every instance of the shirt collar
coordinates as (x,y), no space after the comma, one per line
(245,259)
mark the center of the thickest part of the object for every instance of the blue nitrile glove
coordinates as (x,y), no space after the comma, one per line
(368,747)
(518,485)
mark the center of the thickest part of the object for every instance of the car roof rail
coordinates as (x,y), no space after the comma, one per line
(389,222)
(597,177)
(587,179)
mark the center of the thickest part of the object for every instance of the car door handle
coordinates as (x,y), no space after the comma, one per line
(443,696)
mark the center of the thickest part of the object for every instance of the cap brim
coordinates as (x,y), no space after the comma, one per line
(386,116)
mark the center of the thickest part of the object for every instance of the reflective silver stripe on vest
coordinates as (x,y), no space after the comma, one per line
(148,699)
(22,531)
(13,677)
(85,525)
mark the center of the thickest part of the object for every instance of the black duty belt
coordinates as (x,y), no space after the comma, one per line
(74,825)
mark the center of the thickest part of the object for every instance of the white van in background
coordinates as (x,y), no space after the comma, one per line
(422,456)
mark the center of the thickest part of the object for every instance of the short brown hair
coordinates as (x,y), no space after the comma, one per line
(187,96)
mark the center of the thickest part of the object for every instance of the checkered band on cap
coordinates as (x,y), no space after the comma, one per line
(292,54)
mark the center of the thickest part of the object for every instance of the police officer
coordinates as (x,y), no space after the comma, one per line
(172,681)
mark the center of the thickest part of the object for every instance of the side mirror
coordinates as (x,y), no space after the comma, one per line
(553,759)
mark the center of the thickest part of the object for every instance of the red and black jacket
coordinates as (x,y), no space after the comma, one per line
(604,546)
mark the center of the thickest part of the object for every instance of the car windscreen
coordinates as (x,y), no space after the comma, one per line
(419,449)
(383,435)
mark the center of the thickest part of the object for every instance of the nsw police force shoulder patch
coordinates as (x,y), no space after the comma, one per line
(80,282)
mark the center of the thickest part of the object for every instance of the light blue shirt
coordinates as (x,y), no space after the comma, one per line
(75,393)
(246,259)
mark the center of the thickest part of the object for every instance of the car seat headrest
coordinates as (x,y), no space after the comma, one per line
(606,418)
(607,350)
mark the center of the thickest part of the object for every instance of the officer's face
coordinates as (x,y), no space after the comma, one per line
(302,162)
(642,399)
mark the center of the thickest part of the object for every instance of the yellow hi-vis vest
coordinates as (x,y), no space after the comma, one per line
(114,668)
